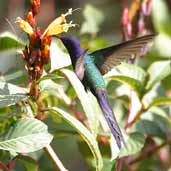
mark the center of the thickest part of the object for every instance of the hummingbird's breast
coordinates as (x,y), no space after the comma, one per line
(93,76)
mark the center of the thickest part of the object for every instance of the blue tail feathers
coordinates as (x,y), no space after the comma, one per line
(110,118)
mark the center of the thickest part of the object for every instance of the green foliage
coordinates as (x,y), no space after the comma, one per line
(11,94)
(85,133)
(26,135)
(134,143)
(161,17)
(158,71)
(84,99)
(93,19)
(137,94)
(28,162)
(9,42)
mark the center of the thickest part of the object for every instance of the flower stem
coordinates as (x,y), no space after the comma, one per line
(55,158)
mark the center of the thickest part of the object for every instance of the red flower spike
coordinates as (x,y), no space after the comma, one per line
(125,17)
(127,26)
(25,53)
(141,25)
(38,32)
(146,7)
(129,29)
(35,40)
(38,52)
(46,54)
(45,48)
(35,6)
(46,40)
(30,19)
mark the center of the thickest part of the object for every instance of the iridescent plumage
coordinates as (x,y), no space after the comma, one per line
(90,69)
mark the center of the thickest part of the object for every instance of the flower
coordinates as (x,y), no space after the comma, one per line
(37,54)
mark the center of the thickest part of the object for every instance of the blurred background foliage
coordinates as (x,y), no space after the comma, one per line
(139,93)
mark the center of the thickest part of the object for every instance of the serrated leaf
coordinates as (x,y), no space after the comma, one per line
(158,71)
(11,94)
(8,41)
(84,132)
(84,99)
(161,16)
(93,19)
(134,143)
(133,84)
(27,135)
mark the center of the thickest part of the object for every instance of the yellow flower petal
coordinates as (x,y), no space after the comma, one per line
(24,25)
(59,25)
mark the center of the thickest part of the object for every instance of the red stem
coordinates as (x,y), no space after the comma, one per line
(3,166)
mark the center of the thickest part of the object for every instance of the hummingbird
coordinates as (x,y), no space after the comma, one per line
(90,68)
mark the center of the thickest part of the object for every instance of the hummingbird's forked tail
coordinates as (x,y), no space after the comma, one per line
(109,116)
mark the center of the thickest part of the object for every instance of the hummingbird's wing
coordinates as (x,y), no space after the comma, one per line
(79,66)
(107,58)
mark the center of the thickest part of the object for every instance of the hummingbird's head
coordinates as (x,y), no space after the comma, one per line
(72,45)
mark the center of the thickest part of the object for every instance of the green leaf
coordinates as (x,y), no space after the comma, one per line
(159,111)
(27,135)
(134,143)
(152,124)
(84,132)
(89,110)
(10,46)
(129,70)
(8,42)
(161,43)
(49,77)
(160,101)
(133,84)
(28,162)
(50,88)
(150,95)
(161,17)
(96,43)
(58,59)
(158,71)
(15,76)
(93,19)
(11,94)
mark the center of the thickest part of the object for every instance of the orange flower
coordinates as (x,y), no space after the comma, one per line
(38,52)
(57,26)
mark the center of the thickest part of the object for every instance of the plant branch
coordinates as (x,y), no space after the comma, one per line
(3,166)
(55,158)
